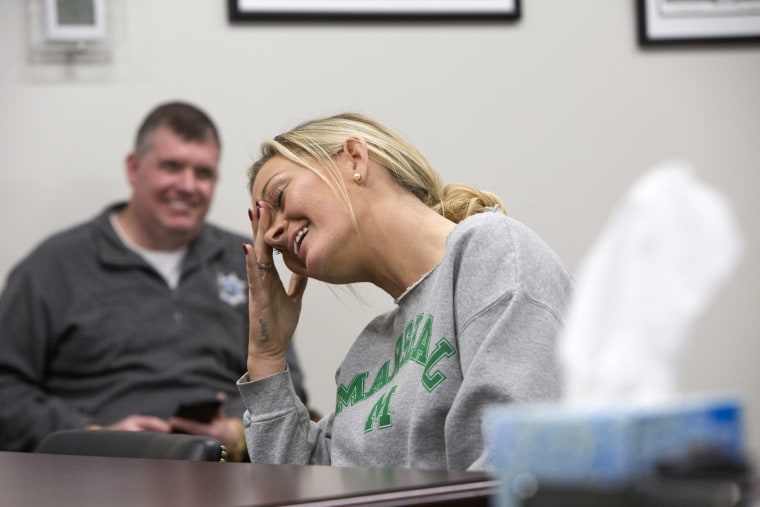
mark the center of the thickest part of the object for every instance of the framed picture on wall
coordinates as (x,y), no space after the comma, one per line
(697,21)
(256,10)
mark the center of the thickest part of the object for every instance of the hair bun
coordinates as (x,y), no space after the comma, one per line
(460,201)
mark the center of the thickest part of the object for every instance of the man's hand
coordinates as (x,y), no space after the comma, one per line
(228,430)
(141,423)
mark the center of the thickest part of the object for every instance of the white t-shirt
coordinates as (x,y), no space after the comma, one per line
(168,263)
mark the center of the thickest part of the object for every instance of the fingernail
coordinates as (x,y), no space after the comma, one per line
(250,215)
(245,250)
(258,210)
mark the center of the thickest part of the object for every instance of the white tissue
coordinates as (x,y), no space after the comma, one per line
(668,247)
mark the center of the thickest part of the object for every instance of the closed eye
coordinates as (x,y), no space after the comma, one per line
(279,199)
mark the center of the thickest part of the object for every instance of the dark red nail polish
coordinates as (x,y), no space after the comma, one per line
(250,214)
(258,209)
(245,250)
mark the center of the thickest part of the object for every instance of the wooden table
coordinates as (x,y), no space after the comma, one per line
(31,480)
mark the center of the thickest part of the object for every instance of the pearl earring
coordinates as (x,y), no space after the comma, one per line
(357,177)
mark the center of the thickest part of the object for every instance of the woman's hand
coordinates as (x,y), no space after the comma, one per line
(273,312)
(228,430)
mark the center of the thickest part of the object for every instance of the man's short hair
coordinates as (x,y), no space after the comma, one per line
(184,119)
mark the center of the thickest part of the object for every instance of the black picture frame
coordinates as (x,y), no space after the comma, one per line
(376,10)
(690,22)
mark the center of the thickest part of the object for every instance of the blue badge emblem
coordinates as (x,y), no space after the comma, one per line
(232,290)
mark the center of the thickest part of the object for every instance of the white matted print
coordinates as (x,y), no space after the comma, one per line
(252,10)
(698,21)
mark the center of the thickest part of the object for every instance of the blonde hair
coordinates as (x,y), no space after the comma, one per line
(317,142)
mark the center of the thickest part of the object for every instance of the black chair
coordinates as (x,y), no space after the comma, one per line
(133,444)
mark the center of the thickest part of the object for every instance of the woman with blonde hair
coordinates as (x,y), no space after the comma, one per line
(479,299)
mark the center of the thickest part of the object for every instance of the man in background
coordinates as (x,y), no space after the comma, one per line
(116,322)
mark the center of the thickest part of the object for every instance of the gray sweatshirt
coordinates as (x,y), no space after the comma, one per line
(478,329)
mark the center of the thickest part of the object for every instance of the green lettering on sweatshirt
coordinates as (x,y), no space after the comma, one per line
(381,379)
(380,413)
(413,344)
(353,394)
(420,352)
(433,380)
(405,343)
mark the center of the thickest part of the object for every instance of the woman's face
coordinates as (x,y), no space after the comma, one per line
(302,217)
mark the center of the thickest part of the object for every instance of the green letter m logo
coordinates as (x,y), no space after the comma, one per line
(352,394)
(380,413)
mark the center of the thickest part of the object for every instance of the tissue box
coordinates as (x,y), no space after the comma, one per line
(564,444)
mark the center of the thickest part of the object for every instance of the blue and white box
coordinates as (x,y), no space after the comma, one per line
(593,446)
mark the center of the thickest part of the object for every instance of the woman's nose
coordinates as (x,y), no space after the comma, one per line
(276,231)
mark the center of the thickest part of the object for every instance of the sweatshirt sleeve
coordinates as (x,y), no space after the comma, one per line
(28,412)
(278,429)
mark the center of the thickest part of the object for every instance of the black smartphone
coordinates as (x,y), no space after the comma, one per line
(201,411)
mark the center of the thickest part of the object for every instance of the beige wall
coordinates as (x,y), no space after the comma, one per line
(558,113)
